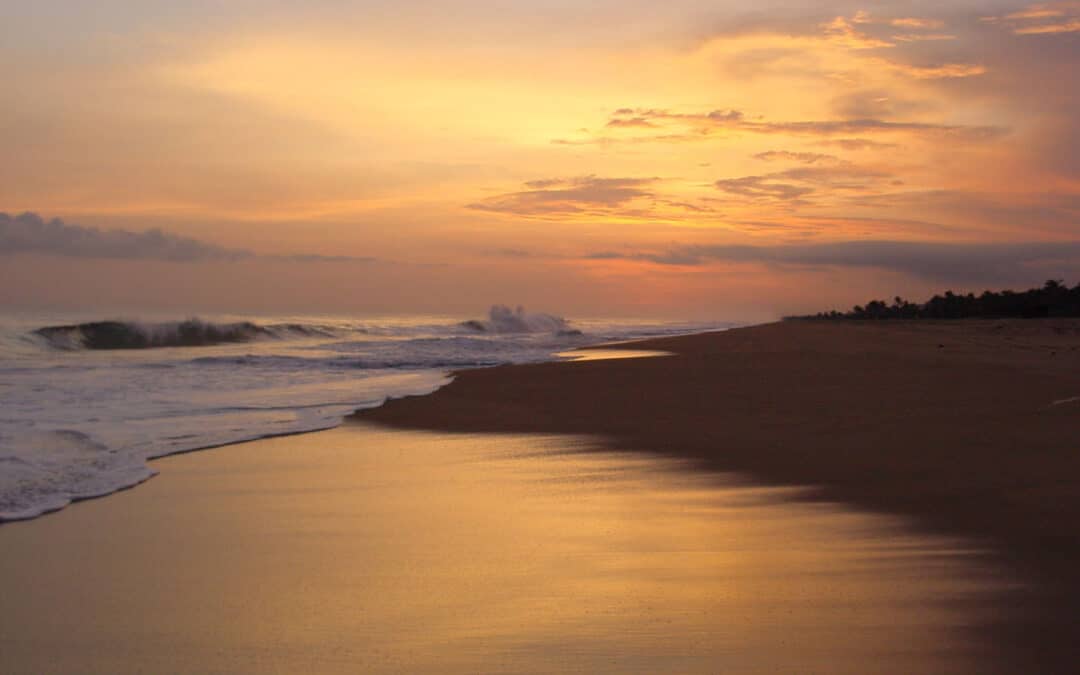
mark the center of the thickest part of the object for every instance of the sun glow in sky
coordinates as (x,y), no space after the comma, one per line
(726,159)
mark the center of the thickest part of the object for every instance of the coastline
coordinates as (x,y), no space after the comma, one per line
(90,417)
(968,428)
(575,354)
(310,518)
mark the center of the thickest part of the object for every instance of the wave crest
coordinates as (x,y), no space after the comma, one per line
(190,333)
(503,319)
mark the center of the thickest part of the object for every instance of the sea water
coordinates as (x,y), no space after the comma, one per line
(86,400)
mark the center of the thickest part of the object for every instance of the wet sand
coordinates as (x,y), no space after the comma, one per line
(364,549)
(968,428)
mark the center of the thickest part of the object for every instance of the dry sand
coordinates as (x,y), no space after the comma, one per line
(969,428)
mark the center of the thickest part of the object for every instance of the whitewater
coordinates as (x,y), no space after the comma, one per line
(86,402)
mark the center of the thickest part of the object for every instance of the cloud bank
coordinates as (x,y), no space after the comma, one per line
(949,262)
(568,195)
(793,185)
(30,233)
(738,120)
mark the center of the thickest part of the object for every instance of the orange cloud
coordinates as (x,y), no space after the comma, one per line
(805,157)
(937,72)
(569,196)
(1071,26)
(795,186)
(918,23)
(923,37)
(736,120)
(1042,19)
(842,32)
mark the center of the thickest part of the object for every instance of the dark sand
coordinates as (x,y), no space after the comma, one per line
(968,428)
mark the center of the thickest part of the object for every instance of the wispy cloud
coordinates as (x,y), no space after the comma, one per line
(630,122)
(794,186)
(1041,19)
(1071,26)
(319,258)
(917,23)
(804,157)
(569,195)
(691,126)
(843,32)
(852,31)
(930,37)
(855,144)
(948,262)
(764,187)
(940,71)
(649,198)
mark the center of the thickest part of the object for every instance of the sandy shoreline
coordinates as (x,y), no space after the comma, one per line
(367,549)
(306,549)
(970,428)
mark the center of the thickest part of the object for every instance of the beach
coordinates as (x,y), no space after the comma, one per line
(969,428)
(805,496)
(363,549)
(460,337)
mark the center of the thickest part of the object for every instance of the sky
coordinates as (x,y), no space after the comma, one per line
(724,160)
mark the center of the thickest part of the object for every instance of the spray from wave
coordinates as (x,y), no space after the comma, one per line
(77,423)
(195,332)
(502,319)
(190,333)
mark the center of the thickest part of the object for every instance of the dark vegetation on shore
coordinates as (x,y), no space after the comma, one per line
(1054,299)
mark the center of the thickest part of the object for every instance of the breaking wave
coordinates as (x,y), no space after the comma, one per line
(79,422)
(189,333)
(502,319)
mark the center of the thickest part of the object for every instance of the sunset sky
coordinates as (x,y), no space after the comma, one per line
(726,159)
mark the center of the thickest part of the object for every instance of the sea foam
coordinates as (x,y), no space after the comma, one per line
(84,404)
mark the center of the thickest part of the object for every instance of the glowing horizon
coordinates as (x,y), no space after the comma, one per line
(688,160)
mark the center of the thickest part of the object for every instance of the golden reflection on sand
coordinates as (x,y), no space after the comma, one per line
(366,550)
(605,354)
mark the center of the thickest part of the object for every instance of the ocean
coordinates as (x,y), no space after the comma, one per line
(86,401)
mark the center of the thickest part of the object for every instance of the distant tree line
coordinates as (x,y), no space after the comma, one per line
(1054,299)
